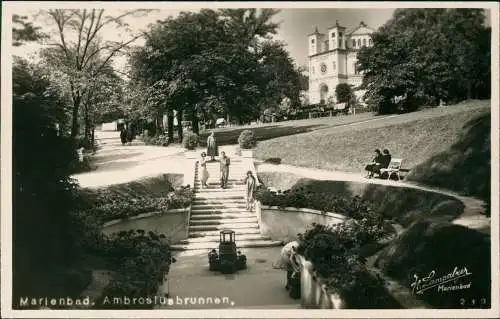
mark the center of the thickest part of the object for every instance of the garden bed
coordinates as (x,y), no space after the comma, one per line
(402,205)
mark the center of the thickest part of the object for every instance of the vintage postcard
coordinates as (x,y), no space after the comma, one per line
(259,159)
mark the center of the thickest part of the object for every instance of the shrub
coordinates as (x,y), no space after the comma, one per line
(112,206)
(160,140)
(141,261)
(190,141)
(247,139)
(333,253)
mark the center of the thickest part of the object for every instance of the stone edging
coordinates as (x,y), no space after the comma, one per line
(304,210)
(146,215)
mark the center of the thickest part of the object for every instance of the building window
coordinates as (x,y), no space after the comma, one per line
(326,45)
(340,43)
(353,43)
(371,42)
(334,65)
(364,42)
(313,70)
(312,41)
(340,35)
(359,42)
(333,35)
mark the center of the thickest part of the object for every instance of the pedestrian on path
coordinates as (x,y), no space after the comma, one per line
(212,148)
(224,169)
(251,184)
(204,170)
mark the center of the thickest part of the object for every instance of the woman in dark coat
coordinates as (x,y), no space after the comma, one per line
(123,135)
(375,166)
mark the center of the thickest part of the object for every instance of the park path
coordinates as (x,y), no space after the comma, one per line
(472,216)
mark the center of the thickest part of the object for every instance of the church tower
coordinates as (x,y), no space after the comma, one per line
(315,42)
(337,37)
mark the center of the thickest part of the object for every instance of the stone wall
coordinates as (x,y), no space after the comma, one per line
(174,224)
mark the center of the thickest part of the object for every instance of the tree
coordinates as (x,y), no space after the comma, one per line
(42,188)
(205,63)
(279,76)
(25,31)
(417,55)
(344,93)
(75,57)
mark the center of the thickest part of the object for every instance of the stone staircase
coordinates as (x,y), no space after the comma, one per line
(215,209)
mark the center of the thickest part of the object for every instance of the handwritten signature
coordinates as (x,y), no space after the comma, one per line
(421,284)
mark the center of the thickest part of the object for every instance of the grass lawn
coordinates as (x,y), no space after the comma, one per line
(229,135)
(415,137)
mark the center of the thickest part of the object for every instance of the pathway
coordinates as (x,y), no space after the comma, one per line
(258,286)
(472,216)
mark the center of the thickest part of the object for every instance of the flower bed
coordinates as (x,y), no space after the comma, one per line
(113,206)
(141,261)
(333,252)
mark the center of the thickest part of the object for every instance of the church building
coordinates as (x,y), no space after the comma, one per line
(332,60)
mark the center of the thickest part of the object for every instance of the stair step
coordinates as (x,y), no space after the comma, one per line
(229,221)
(219,212)
(224,226)
(222,216)
(203,206)
(218,196)
(208,233)
(239,244)
(216,238)
(220,190)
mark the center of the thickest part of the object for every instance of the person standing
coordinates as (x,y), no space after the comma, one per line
(224,169)
(123,135)
(212,148)
(251,184)
(204,170)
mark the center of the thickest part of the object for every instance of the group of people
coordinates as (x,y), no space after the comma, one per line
(380,161)
(224,162)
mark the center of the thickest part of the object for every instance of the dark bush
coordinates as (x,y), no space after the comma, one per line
(190,141)
(333,252)
(247,140)
(141,261)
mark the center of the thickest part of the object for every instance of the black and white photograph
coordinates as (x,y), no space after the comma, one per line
(232,159)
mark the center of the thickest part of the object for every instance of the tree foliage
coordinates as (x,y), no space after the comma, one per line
(42,189)
(212,63)
(78,51)
(422,56)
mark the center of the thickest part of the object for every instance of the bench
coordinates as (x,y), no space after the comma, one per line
(393,169)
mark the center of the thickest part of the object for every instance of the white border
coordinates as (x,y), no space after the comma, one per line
(8,8)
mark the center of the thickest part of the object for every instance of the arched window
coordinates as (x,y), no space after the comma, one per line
(312,41)
(353,43)
(371,42)
(359,42)
(364,42)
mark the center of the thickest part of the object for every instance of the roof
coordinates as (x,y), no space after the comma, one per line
(316,32)
(362,28)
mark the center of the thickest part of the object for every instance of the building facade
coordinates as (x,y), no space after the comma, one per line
(333,60)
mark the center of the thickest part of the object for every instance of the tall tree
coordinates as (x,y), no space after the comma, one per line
(78,38)
(417,55)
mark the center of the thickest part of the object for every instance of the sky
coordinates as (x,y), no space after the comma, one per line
(295,25)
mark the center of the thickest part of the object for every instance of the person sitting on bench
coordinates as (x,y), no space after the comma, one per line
(387,158)
(375,166)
